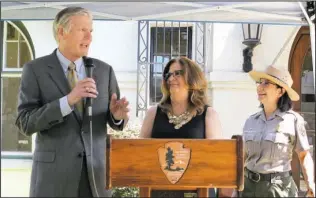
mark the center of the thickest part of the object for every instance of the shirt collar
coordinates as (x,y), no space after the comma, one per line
(279,113)
(65,62)
(260,115)
(276,113)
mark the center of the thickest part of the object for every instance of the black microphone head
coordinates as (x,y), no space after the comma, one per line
(88,62)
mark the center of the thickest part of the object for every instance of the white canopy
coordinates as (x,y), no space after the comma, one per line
(231,12)
(281,13)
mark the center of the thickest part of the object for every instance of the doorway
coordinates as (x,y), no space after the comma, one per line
(301,69)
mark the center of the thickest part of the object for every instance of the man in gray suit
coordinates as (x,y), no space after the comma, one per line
(52,94)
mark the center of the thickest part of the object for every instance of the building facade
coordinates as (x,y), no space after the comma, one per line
(138,59)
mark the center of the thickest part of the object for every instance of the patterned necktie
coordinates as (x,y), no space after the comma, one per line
(73,79)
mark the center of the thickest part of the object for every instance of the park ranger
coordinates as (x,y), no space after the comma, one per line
(271,136)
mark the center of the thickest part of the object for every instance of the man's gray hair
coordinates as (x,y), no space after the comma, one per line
(62,18)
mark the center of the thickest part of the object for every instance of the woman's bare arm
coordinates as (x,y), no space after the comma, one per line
(148,123)
(213,125)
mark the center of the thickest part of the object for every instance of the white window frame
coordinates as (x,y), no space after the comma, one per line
(5,41)
(14,73)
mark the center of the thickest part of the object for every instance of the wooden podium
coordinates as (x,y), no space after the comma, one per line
(175,164)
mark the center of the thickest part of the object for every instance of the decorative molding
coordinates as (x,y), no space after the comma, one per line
(126,79)
(217,80)
(232,85)
(230,80)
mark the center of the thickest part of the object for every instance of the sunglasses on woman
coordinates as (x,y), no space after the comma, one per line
(175,74)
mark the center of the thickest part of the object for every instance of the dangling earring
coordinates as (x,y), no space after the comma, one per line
(192,95)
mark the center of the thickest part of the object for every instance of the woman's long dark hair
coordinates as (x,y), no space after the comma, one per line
(284,102)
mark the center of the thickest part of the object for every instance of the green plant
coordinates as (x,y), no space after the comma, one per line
(125,192)
(130,131)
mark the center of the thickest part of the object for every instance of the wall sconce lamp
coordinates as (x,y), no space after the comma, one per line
(311,10)
(252,36)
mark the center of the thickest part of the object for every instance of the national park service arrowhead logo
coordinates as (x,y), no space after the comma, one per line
(174,160)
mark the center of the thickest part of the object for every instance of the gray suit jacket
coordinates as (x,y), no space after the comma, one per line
(60,140)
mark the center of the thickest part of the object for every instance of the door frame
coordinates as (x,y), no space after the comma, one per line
(300,47)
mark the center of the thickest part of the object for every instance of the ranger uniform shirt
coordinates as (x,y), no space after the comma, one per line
(269,142)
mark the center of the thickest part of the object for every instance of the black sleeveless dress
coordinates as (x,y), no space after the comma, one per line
(194,129)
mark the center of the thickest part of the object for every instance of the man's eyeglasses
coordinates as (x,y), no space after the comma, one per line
(175,74)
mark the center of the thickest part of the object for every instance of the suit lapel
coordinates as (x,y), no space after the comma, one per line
(58,76)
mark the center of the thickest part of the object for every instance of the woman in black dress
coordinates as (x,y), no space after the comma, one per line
(183,111)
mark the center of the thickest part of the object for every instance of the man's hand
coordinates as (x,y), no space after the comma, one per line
(84,88)
(119,108)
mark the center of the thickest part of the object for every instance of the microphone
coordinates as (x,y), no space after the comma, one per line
(88,63)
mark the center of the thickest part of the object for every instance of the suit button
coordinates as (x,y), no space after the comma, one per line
(80,155)
(82,132)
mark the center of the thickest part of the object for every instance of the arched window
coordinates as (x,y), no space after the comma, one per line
(17,50)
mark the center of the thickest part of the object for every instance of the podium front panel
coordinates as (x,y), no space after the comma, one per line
(165,162)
